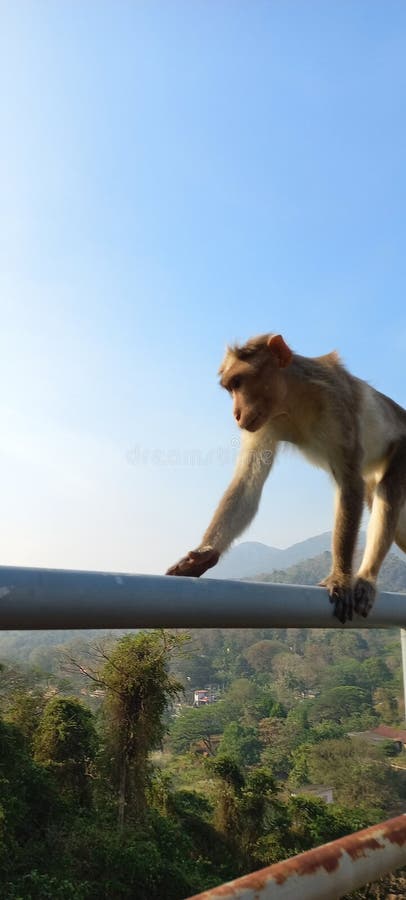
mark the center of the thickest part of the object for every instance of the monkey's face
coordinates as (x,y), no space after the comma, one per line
(256,393)
(254,376)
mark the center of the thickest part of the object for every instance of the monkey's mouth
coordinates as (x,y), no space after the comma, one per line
(253,423)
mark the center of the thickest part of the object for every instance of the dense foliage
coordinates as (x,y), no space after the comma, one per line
(113,785)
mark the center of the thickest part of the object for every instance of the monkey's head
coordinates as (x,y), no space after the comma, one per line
(253,375)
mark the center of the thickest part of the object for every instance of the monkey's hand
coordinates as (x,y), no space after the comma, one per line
(196,562)
(340,592)
(364,596)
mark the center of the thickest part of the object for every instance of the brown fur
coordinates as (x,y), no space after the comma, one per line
(340,423)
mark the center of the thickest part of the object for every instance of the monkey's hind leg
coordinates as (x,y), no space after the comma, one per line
(387,523)
(400,534)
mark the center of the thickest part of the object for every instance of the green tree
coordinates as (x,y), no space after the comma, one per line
(299,774)
(375,672)
(291,676)
(65,741)
(261,654)
(138,687)
(248,701)
(12,680)
(24,709)
(231,782)
(313,822)
(356,771)
(241,743)
(193,668)
(338,704)
(28,807)
(348,645)
(278,740)
(193,726)
(348,671)
(257,807)
(386,704)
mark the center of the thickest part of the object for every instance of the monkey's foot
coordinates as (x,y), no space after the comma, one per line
(340,593)
(364,596)
(195,563)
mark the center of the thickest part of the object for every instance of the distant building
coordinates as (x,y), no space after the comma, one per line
(201,698)
(383,733)
(322,791)
(388,732)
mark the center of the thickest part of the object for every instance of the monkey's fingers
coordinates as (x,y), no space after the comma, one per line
(364,596)
(342,598)
(195,563)
(185,566)
(343,605)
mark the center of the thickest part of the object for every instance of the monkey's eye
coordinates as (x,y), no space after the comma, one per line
(235,383)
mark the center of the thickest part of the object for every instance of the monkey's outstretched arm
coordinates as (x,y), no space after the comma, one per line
(236,509)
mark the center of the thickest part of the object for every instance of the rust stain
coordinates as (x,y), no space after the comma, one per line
(327,858)
(375,837)
(397,834)
(356,850)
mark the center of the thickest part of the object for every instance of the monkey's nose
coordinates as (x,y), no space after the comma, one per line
(237,415)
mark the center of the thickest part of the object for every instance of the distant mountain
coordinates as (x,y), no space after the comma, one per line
(251,558)
(41,648)
(311,571)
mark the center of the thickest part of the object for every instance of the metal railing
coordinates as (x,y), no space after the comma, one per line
(53,598)
(326,872)
(57,598)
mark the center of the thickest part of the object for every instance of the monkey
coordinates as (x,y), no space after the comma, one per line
(339,423)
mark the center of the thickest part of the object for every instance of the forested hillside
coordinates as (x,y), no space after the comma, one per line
(392,576)
(114,784)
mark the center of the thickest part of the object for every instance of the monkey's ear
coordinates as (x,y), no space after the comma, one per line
(280,349)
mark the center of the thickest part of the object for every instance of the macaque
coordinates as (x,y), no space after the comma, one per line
(341,424)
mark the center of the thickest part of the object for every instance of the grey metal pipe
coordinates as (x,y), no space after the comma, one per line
(58,598)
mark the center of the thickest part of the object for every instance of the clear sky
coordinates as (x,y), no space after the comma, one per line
(175,175)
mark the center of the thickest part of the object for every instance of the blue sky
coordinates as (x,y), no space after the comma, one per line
(173,176)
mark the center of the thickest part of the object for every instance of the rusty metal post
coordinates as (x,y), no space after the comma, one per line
(327,872)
